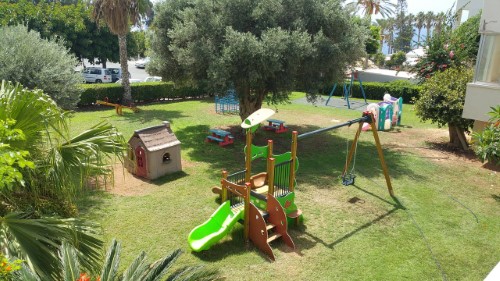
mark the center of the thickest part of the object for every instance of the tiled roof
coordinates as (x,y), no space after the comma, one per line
(157,137)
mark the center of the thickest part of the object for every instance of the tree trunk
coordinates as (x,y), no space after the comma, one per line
(127,93)
(457,137)
(104,63)
(249,102)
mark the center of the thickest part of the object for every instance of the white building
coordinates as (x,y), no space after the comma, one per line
(484,92)
(467,9)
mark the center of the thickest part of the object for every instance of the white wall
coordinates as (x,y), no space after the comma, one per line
(490,16)
(479,99)
(472,6)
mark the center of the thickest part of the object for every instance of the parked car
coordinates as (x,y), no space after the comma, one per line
(119,81)
(152,79)
(116,73)
(97,75)
(142,63)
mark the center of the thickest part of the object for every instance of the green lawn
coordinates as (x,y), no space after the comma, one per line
(444,222)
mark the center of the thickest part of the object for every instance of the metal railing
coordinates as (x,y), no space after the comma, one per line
(282,178)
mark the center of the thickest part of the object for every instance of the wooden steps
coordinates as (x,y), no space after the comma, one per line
(273,237)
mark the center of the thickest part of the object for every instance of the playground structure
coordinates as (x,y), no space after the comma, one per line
(118,107)
(387,113)
(265,202)
(228,103)
(347,89)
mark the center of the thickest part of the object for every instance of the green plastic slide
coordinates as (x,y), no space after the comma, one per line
(215,228)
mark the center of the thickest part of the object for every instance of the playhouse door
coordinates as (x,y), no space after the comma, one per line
(141,169)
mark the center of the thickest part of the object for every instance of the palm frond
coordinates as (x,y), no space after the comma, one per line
(194,273)
(109,271)
(69,262)
(160,267)
(37,241)
(136,269)
(26,274)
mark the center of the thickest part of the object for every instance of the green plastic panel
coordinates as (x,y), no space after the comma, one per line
(215,228)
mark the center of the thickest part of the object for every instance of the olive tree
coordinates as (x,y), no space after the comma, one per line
(262,48)
(38,63)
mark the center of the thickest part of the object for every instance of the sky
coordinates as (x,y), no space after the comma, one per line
(415,6)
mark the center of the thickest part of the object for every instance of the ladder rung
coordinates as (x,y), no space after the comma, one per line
(270,226)
(273,237)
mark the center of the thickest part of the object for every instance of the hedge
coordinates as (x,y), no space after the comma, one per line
(141,92)
(377,90)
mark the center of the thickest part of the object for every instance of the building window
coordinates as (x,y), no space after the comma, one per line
(166,158)
(488,63)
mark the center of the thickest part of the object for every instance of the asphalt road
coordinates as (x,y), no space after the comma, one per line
(135,73)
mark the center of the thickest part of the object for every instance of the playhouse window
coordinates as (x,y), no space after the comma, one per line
(166,158)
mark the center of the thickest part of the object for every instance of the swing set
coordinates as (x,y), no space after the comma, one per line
(347,89)
(349,176)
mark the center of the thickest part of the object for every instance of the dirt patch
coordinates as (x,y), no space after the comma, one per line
(433,145)
(126,184)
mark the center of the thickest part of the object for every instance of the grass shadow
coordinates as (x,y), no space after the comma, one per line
(169,178)
(322,157)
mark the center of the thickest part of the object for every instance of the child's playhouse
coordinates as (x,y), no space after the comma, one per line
(154,152)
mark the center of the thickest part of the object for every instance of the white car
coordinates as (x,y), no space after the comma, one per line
(97,75)
(119,81)
(152,79)
(142,63)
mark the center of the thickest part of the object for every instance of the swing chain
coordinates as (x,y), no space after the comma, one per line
(348,177)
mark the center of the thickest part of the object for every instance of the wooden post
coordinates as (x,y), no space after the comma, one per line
(293,163)
(247,211)
(248,155)
(381,155)
(352,150)
(270,176)
(224,189)
(268,161)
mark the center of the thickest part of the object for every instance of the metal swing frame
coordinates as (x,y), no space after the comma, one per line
(368,118)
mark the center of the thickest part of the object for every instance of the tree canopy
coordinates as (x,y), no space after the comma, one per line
(264,48)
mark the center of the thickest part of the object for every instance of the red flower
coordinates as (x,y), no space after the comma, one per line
(83,277)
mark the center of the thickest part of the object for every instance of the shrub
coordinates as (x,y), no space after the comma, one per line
(376,90)
(141,92)
(397,59)
(487,143)
(442,101)
(37,63)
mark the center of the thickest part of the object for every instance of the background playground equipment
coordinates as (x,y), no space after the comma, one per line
(387,113)
(267,198)
(347,89)
(397,106)
(228,103)
(118,107)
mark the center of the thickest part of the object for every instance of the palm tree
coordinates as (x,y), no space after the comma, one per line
(419,24)
(440,21)
(119,15)
(64,164)
(373,7)
(384,24)
(391,26)
(429,22)
(138,270)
